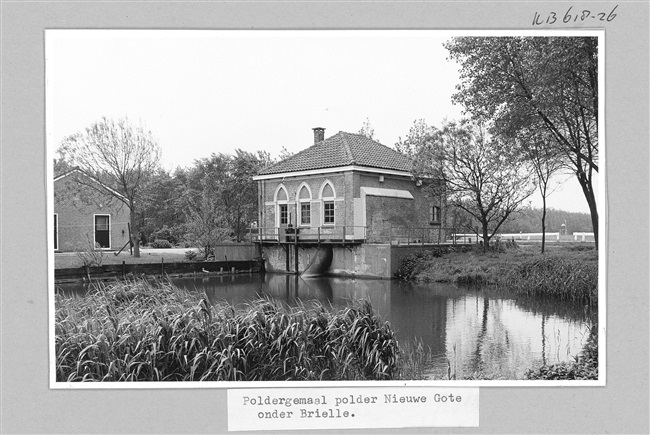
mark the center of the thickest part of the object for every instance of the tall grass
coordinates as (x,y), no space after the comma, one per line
(141,331)
(583,367)
(563,278)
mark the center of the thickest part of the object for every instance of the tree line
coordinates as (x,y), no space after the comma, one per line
(531,106)
(212,201)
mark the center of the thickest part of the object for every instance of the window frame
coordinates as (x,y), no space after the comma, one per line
(326,203)
(286,214)
(303,201)
(109,230)
(434,215)
(303,205)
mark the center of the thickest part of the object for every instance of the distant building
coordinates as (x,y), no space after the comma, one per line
(84,217)
(346,187)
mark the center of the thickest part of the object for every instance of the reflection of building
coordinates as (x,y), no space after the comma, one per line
(421,312)
(84,218)
(347,187)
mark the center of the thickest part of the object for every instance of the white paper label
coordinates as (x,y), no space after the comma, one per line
(351,408)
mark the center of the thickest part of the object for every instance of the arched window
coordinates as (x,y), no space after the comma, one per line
(327,195)
(281,206)
(304,200)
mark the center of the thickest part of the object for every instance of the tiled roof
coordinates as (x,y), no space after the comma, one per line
(343,149)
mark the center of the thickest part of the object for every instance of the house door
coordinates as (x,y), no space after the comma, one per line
(102,231)
(56,231)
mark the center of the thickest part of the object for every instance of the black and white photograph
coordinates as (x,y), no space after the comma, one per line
(325,206)
(324,217)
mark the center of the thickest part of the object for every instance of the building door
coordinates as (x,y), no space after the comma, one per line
(56,231)
(102,231)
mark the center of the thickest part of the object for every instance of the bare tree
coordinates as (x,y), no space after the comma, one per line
(480,177)
(118,154)
(536,83)
(546,160)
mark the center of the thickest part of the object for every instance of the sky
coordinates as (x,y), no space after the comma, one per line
(204,92)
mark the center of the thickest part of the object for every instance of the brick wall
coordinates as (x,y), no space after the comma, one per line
(76,207)
(314,183)
(381,212)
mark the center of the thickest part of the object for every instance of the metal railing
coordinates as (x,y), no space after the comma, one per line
(322,234)
(421,235)
(356,234)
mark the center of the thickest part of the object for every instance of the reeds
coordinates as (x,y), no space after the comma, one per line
(583,367)
(141,331)
(562,278)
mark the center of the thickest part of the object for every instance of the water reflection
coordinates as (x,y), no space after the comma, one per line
(470,332)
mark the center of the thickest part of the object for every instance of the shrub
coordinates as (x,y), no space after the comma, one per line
(413,263)
(91,255)
(166,233)
(191,255)
(161,244)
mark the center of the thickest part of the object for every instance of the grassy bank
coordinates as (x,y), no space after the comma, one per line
(569,273)
(584,366)
(138,331)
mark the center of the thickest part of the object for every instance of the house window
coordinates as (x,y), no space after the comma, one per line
(305,213)
(102,231)
(284,214)
(304,199)
(56,231)
(434,214)
(328,213)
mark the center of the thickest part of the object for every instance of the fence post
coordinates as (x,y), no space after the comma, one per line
(343,234)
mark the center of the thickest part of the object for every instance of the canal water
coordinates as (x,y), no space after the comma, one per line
(470,332)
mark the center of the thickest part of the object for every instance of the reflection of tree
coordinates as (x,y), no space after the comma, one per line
(476,361)
(543,339)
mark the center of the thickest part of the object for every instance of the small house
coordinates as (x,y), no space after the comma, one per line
(347,187)
(84,217)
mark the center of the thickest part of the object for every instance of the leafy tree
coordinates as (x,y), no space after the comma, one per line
(220,197)
(120,155)
(536,83)
(161,206)
(284,154)
(418,135)
(480,176)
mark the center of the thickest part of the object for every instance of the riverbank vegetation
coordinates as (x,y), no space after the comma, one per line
(139,331)
(568,273)
(584,366)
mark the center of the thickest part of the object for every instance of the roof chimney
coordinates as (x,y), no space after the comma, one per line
(319,134)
